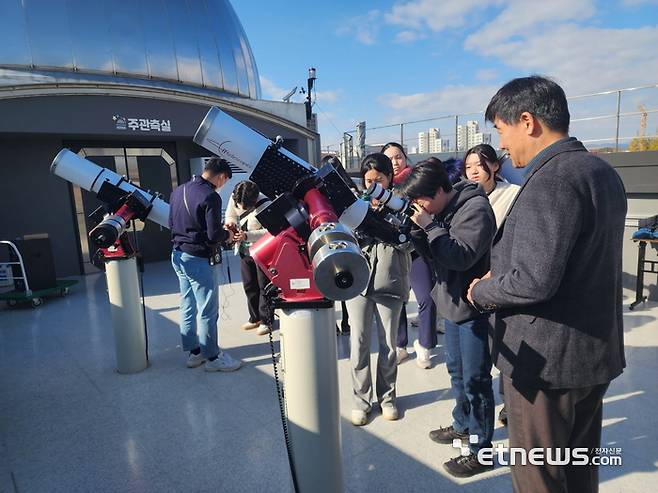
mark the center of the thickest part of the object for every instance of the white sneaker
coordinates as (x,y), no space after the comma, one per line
(195,360)
(401,354)
(359,417)
(423,357)
(390,412)
(263,329)
(223,362)
(250,325)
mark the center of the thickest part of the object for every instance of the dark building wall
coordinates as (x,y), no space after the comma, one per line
(186,151)
(638,170)
(33,200)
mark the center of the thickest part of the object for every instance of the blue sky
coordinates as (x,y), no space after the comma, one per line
(386,62)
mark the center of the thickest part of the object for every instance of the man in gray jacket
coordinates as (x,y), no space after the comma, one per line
(555,285)
(457,226)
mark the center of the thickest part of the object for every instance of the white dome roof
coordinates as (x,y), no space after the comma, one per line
(192,42)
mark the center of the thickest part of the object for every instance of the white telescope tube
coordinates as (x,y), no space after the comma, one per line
(386,197)
(90,176)
(355,214)
(232,140)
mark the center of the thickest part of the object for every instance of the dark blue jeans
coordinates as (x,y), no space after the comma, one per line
(422,284)
(469,365)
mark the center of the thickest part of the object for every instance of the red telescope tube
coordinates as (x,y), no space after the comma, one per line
(319,209)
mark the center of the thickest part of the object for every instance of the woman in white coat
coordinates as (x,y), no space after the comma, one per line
(241,210)
(481,164)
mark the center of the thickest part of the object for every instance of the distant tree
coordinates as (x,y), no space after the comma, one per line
(643,144)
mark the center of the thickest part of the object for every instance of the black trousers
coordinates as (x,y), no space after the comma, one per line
(254,282)
(550,419)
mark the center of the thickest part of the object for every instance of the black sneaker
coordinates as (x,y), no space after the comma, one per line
(344,329)
(447,435)
(465,466)
(502,416)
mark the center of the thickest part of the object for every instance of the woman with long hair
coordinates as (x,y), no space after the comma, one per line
(387,290)
(422,281)
(481,165)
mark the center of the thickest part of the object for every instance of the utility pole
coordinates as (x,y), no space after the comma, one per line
(309,103)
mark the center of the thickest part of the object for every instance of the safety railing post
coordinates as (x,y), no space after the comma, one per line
(617,129)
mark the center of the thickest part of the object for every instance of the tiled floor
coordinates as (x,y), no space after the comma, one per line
(69,422)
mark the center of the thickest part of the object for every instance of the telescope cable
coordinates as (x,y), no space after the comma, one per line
(283,410)
(226,290)
(228,269)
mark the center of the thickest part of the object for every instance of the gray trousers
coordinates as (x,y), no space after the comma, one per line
(386,312)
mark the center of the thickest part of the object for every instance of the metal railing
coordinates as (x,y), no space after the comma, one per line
(604,121)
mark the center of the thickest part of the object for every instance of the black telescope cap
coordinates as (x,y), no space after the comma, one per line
(103,236)
(344,279)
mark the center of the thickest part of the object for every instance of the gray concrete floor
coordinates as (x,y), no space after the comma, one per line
(69,422)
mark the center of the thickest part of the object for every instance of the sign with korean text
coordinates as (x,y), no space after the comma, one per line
(141,124)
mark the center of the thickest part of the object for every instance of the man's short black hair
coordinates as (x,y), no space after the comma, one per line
(540,96)
(425,180)
(216,166)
